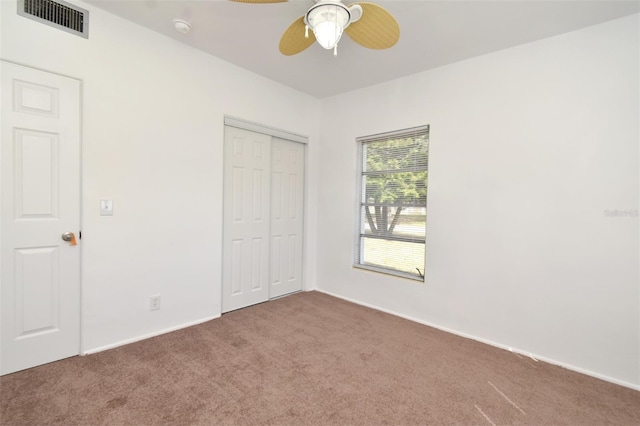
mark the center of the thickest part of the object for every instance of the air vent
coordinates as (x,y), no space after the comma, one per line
(57,14)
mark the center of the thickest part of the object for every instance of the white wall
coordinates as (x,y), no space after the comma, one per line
(529,147)
(152,141)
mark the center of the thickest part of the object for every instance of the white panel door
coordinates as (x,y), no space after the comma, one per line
(287,183)
(245,268)
(40,170)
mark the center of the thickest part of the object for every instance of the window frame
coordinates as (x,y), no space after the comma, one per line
(360,174)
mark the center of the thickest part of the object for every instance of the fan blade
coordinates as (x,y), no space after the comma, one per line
(293,40)
(259,1)
(376,29)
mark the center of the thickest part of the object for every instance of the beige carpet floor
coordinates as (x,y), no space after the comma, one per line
(310,359)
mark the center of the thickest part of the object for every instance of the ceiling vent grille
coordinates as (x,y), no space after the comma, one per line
(57,14)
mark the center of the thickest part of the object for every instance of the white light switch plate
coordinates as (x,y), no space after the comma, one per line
(106,207)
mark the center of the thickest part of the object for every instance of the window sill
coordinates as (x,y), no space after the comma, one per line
(389,272)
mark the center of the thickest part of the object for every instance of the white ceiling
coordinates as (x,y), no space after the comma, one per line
(432,34)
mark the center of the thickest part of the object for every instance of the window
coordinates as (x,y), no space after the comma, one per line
(392,213)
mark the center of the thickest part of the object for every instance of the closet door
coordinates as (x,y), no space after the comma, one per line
(287,183)
(245,263)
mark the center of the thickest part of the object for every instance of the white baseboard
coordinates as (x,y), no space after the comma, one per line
(146,336)
(489,342)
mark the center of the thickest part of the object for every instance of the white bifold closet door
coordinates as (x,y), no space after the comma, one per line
(263,218)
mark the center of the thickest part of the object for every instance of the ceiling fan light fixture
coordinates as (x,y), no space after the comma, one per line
(328,20)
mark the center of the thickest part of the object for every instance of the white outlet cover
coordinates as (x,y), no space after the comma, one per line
(154,303)
(106,207)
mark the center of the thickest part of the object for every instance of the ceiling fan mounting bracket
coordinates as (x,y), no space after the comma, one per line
(354,11)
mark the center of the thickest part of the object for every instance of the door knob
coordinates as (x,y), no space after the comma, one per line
(70,237)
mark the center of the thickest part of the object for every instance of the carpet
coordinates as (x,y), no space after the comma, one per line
(310,359)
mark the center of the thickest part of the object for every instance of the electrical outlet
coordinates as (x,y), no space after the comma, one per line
(154,303)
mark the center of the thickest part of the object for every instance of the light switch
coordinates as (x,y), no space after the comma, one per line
(106,207)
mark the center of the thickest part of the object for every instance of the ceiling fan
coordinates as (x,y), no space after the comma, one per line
(367,24)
